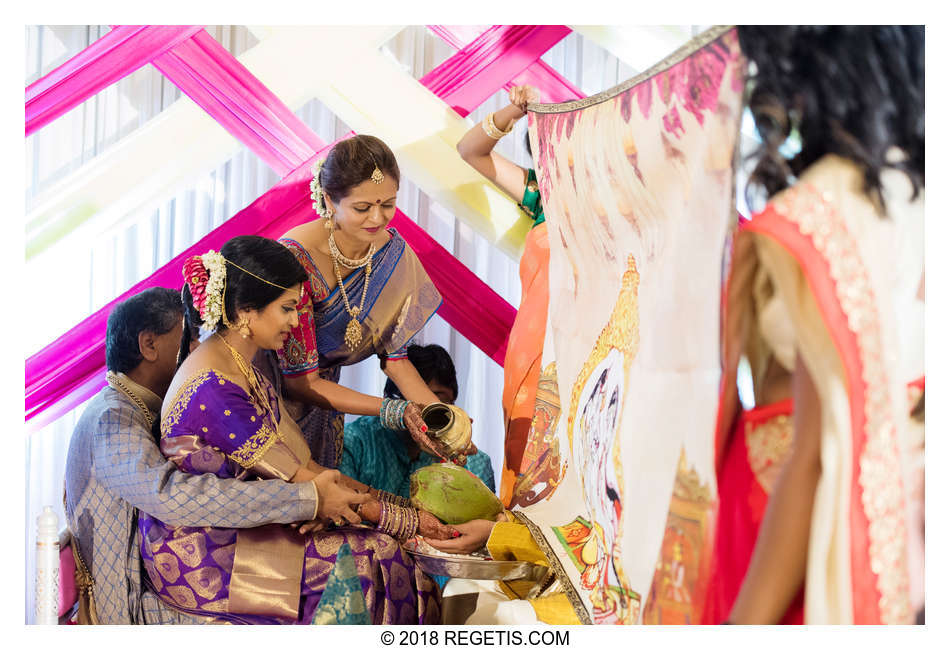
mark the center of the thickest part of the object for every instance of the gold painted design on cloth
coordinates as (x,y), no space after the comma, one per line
(206,581)
(565,582)
(879,465)
(673,597)
(190,549)
(767,446)
(621,333)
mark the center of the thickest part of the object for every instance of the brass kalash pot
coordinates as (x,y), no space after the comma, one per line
(450,427)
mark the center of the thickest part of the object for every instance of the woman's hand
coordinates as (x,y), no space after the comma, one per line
(336,500)
(474,535)
(521,96)
(430,526)
(417,429)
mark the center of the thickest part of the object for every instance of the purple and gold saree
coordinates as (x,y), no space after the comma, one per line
(267,574)
(400,300)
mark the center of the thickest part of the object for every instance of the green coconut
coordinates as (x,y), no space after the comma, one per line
(452,493)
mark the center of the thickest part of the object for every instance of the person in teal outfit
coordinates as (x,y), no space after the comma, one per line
(384,458)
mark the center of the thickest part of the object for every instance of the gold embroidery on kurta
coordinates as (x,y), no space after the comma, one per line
(879,465)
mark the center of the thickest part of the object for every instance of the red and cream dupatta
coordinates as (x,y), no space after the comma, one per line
(836,265)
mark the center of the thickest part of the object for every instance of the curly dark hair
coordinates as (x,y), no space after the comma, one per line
(854,91)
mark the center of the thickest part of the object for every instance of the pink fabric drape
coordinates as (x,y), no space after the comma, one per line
(237,100)
(223,87)
(552,87)
(71,369)
(115,55)
(499,54)
(216,81)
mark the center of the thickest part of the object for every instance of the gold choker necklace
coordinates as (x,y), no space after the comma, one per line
(346,261)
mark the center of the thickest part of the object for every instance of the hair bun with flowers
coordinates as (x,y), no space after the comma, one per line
(205,275)
(316,192)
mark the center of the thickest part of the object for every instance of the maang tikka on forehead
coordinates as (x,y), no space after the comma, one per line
(377,176)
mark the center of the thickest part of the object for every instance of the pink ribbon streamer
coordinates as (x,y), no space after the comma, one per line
(552,87)
(499,54)
(224,88)
(110,58)
(238,101)
(70,370)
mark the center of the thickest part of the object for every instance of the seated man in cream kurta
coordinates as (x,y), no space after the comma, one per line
(114,469)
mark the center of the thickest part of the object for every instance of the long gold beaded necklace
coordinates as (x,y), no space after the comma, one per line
(257,391)
(354,331)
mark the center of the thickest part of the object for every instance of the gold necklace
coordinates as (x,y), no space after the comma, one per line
(116,382)
(346,261)
(257,391)
(354,332)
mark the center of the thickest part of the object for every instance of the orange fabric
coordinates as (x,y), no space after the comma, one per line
(523,356)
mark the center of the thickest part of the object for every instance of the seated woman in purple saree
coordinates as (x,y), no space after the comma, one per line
(223,417)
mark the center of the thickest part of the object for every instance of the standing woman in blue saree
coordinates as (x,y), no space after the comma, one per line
(386,299)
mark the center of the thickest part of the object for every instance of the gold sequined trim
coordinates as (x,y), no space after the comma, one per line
(879,465)
(767,446)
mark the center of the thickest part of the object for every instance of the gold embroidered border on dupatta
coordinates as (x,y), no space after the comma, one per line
(879,463)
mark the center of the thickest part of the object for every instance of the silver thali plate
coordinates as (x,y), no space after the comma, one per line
(478,569)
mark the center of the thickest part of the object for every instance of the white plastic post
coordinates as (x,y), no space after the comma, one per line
(47,568)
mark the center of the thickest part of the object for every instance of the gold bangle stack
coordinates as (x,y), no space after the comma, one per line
(492,131)
(389,497)
(397,521)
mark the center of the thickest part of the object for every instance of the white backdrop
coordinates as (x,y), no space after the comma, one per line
(89,276)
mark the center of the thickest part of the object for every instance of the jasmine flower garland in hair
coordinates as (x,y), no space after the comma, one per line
(316,192)
(214,302)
